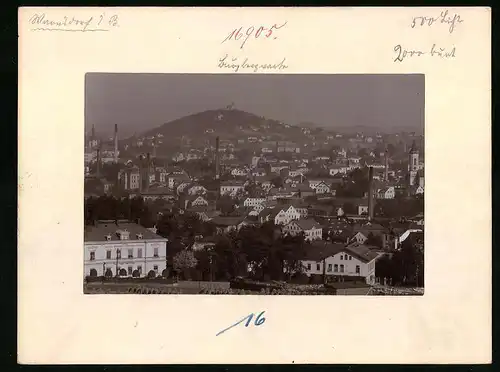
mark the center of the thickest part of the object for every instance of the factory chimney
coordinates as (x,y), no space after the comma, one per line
(386,169)
(217,160)
(116,143)
(98,171)
(370,194)
(147,170)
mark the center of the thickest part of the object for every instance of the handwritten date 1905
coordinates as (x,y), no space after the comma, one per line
(257,32)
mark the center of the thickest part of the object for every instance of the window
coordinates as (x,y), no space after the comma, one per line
(350,258)
(139,253)
(318,267)
(357,269)
(308,266)
(92,256)
(130,253)
(335,268)
(130,270)
(118,253)
(329,267)
(341,257)
(341,268)
(108,255)
(155,253)
(155,268)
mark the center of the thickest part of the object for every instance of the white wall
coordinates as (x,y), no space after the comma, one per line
(146,262)
(367,270)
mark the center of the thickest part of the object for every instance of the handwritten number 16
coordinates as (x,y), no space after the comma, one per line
(259,320)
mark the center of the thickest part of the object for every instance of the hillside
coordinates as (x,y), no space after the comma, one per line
(228,124)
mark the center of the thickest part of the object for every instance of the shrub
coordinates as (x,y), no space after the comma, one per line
(151,274)
(108,273)
(165,273)
(123,272)
(300,278)
(135,273)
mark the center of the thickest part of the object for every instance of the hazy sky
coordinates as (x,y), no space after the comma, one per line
(137,102)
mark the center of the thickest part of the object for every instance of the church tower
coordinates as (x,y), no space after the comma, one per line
(413,164)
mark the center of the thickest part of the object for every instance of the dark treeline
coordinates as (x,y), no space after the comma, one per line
(404,267)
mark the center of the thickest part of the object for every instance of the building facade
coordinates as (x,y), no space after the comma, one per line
(123,249)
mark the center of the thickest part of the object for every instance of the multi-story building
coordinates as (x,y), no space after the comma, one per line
(339,260)
(231,188)
(310,228)
(123,248)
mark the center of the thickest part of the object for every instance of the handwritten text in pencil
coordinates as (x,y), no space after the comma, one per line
(402,53)
(241,34)
(444,18)
(102,22)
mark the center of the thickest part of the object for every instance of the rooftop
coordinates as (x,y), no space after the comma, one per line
(99,231)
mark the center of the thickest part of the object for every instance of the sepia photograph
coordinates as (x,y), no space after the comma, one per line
(262,184)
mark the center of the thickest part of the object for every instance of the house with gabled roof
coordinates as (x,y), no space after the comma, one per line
(336,259)
(388,192)
(322,188)
(190,201)
(311,229)
(196,189)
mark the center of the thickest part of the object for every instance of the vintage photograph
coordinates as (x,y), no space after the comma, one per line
(262,184)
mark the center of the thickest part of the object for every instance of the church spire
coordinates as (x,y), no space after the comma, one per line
(413,148)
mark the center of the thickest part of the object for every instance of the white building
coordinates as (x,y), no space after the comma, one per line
(285,215)
(386,193)
(253,202)
(310,228)
(239,172)
(337,259)
(321,188)
(196,190)
(231,188)
(123,247)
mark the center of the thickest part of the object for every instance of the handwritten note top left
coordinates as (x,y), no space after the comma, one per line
(100,22)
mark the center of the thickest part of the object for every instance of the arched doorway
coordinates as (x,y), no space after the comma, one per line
(108,273)
(93,272)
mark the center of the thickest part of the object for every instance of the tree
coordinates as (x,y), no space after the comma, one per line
(375,240)
(225,204)
(349,208)
(184,261)
(409,264)
(277,181)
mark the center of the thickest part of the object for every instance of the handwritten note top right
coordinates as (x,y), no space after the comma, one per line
(444,21)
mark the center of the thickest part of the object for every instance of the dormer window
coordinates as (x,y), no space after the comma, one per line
(108,237)
(139,236)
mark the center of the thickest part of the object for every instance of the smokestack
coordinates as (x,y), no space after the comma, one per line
(386,172)
(370,194)
(98,171)
(147,170)
(116,143)
(93,132)
(217,162)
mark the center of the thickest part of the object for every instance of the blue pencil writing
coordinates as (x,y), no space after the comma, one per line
(258,321)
